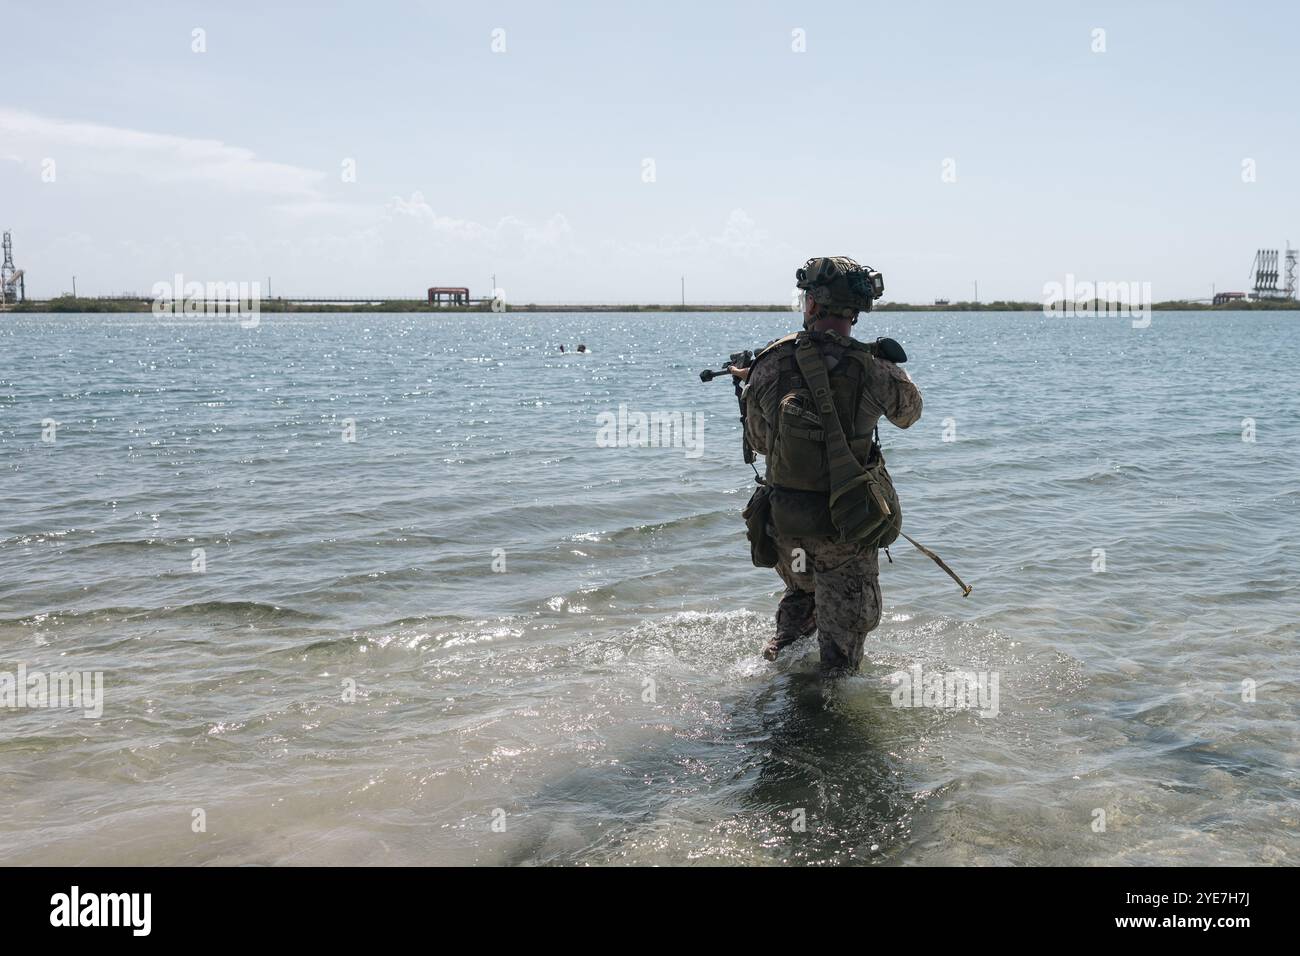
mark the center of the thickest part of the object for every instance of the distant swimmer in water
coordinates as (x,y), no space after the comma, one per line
(581,347)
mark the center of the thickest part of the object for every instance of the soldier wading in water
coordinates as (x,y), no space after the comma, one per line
(826,505)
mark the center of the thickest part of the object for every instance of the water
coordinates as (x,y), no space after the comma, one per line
(522,698)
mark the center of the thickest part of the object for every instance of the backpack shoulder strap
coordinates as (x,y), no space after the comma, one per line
(775,344)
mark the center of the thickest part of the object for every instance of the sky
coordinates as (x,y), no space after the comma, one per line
(600,152)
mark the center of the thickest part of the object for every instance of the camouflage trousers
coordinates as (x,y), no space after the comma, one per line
(832,588)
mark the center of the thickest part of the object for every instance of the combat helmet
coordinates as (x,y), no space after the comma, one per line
(840,284)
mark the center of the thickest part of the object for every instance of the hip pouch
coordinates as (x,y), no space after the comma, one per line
(866,508)
(757,515)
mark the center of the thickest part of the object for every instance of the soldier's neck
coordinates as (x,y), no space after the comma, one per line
(839,326)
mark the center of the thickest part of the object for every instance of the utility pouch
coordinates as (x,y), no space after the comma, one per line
(757,514)
(801,514)
(866,508)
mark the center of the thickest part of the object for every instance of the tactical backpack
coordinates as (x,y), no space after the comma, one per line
(824,483)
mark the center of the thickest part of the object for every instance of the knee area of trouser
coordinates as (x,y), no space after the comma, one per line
(854,609)
(794,615)
(842,627)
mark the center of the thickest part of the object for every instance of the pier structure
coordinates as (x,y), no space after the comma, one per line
(1268,267)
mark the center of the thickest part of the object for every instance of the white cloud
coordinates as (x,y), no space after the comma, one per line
(253,217)
(508,230)
(78,148)
(740,236)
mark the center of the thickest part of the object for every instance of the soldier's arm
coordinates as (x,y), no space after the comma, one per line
(893,392)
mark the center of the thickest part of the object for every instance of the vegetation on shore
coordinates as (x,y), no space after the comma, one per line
(126,304)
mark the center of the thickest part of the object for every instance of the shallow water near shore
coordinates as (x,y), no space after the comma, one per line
(476,635)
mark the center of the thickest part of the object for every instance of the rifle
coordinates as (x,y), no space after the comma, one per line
(885,348)
(738,360)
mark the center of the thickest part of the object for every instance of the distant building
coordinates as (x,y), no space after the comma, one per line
(448,295)
(1224,297)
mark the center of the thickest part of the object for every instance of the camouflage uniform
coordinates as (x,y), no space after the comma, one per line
(831,587)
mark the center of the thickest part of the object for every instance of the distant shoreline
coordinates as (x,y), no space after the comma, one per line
(66,304)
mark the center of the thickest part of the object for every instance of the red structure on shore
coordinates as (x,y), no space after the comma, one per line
(448,295)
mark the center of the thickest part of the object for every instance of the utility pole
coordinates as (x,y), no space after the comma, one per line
(683,293)
(977,291)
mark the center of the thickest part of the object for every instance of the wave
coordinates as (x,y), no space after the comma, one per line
(208,611)
(637,530)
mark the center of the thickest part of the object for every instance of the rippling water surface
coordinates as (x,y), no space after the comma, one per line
(601,699)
